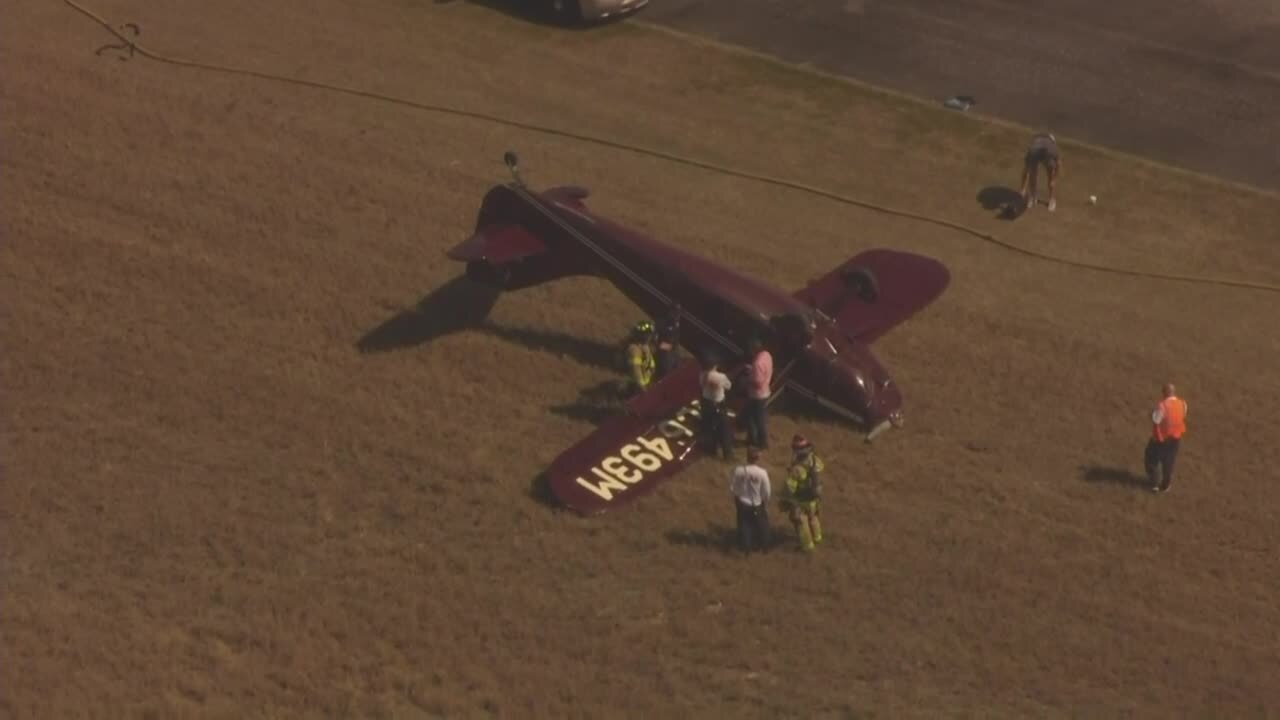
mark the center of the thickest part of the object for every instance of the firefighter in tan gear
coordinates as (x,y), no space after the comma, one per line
(803,492)
(639,358)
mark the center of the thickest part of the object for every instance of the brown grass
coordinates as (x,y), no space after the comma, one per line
(215,505)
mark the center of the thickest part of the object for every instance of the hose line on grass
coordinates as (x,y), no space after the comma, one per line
(130,46)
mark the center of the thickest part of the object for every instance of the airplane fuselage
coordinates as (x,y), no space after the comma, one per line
(720,307)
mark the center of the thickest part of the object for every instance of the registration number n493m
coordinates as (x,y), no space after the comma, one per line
(646,455)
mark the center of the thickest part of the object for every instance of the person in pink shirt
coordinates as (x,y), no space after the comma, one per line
(759,378)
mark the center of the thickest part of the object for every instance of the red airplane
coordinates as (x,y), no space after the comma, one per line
(818,336)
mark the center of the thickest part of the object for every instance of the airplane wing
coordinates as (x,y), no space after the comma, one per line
(876,291)
(629,455)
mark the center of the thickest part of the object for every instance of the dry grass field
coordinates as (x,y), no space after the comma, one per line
(215,505)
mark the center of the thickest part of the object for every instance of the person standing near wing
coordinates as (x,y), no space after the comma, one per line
(638,356)
(803,494)
(715,421)
(759,378)
(667,355)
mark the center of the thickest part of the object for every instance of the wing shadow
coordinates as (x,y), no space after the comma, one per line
(1007,202)
(457,305)
(540,492)
(463,304)
(1102,475)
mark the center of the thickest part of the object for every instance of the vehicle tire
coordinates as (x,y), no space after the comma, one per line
(863,282)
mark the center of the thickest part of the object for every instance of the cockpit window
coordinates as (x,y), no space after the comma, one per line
(795,327)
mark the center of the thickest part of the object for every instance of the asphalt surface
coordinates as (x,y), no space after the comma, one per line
(1195,84)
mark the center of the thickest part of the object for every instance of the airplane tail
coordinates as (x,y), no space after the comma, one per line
(515,244)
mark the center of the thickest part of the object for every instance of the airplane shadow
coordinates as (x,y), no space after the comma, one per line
(804,410)
(457,305)
(463,304)
(1006,201)
(1112,476)
(722,538)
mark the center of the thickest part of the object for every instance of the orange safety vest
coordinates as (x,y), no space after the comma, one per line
(1174,422)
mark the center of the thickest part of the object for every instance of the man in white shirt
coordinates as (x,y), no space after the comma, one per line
(715,422)
(749,485)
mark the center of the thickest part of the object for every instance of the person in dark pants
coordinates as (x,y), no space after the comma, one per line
(1043,151)
(802,493)
(1168,424)
(668,351)
(749,485)
(759,378)
(716,429)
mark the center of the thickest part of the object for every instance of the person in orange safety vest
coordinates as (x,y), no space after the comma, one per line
(1168,424)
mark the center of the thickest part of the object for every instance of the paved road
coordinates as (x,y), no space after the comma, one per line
(1196,84)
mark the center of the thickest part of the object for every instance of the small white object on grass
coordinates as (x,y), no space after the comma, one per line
(1093,199)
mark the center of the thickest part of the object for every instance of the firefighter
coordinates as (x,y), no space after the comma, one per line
(804,492)
(639,358)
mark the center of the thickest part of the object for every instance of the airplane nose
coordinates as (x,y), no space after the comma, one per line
(895,420)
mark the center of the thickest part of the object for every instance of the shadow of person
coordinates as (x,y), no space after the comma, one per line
(595,404)
(1112,476)
(457,305)
(716,537)
(1006,201)
(722,538)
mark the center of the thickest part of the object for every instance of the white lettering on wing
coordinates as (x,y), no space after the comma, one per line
(613,465)
(675,429)
(658,446)
(648,455)
(635,455)
(606,488)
